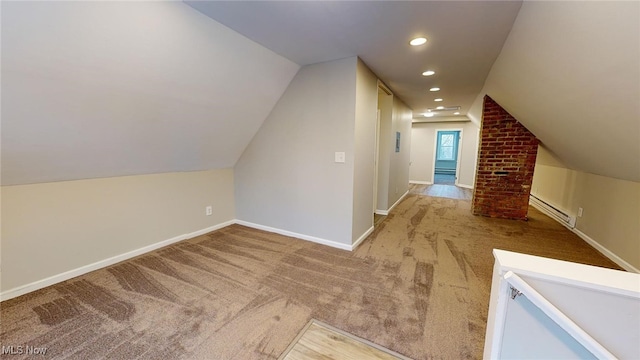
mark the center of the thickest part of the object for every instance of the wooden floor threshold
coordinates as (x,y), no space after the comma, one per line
(318,340)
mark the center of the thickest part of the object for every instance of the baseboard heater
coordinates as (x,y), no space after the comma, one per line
(552,211)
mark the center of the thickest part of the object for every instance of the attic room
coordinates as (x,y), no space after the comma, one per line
(198,179)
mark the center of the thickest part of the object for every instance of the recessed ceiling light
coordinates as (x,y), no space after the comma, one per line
(440,107)
(428,73)
(428,114)
(438,99)
(418,41)
(456,113)
(434,89)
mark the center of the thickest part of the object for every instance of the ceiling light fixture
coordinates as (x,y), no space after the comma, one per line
(440,108)
(428,114)
(434,89)
(456,113)
(438,99)
(418,41)
(428,73)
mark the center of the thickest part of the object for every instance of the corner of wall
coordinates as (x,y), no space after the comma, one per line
(287,177)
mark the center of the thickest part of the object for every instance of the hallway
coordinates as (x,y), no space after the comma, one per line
(440,190)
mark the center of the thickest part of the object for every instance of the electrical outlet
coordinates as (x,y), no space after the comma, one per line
(208,210)
(579,212)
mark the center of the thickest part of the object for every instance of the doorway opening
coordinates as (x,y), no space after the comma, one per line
(382,154)
(446,160)
(376,217)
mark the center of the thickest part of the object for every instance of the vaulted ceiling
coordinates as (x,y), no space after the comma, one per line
(569,71)
(463,40)
(99,89)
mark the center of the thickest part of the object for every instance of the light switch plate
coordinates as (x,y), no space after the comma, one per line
(340,157)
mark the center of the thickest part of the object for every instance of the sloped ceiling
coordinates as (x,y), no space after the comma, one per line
(464,39)
(570,72)
(101,89)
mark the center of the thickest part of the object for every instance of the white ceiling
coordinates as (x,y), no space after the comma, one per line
(465,37)
(100,89)
(568,70)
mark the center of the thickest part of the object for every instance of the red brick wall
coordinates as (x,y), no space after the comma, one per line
(506,158)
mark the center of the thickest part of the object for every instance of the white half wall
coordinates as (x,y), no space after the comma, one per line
(52,228)
(564,310)
(423,143)
(287,177)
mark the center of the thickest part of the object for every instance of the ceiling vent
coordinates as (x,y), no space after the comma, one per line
(448,108)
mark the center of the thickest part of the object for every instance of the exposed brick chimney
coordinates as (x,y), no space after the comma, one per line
(506,159)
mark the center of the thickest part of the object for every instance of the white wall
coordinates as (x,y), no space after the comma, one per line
(386,146)
(611,207)
(52,228)
(529,333)
(393,167)
(364,149)
(287,178)
(110,88)
(423,144)
(399,161)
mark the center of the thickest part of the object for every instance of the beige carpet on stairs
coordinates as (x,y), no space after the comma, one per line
(419,285)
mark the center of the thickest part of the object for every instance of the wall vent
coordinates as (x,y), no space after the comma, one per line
(448,108)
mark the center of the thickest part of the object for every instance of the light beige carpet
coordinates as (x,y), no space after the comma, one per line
(419,285)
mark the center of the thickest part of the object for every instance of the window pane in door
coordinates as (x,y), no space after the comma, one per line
(446,153)
(446,145)
(447,140)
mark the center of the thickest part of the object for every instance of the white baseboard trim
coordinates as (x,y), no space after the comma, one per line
(386,212)
(296,235)
(606,252)
(418,182)
(603,250)
(465,186)
(398,202)
(39,284)
(361,238)
(209,229)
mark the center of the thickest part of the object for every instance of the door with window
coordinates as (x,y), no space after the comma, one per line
(446,159)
